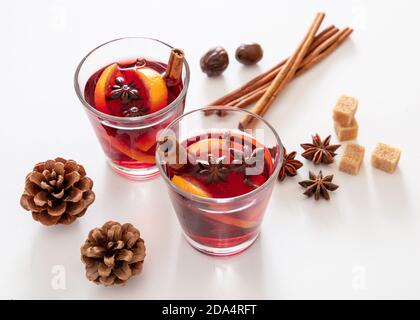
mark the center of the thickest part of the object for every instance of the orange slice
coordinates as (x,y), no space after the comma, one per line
(155,89)
(189,187)
(232,221)
(130,152)
(101,87)
(214,146)
(146,140)
(205,146)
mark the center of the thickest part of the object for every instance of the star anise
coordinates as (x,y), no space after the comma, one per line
(320,151)
(134,111)
(290,165)
(213,168)
(318,185)
(125,92)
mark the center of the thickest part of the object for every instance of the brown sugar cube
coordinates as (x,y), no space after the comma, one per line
(352,159)
(386,158)
(347,133)
(344,110)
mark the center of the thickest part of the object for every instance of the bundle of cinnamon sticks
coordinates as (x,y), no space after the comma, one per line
(264,88)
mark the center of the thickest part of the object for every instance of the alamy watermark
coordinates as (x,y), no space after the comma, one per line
(58,280)
(359,278)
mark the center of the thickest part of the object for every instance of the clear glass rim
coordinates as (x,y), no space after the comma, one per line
(131,120)
(222,200)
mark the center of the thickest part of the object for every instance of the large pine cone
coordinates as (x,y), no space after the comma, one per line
(113,254)
(57,192)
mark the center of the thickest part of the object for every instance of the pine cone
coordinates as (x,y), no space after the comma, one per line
(57,192)
(113,254)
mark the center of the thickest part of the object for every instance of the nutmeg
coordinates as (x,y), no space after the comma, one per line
(214,62)
(249,53)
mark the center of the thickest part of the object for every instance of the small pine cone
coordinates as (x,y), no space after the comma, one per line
(57,192)
(113,254)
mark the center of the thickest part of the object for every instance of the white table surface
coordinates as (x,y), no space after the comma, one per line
(365,243)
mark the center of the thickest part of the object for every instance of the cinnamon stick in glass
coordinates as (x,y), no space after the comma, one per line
(173,74)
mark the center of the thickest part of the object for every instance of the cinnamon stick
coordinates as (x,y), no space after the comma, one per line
(345,34)
(173,72)
(284,76)
(269,75)
(323,46)
(308,62)
(323,36)
(249,98)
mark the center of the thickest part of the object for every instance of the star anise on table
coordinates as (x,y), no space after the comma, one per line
(320,151)
(123,91)
(213,168)
(290,165)
(318,185)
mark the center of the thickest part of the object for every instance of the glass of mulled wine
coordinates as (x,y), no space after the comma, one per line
(131,89)
(219,178)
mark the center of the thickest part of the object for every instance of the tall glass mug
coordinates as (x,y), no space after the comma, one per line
(219,178)
(122,88)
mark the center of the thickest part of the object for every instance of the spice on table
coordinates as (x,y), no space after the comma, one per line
(290,165)
(283,76)
(214,61)
(322,45)
(249,53)
(320,151)
(318,186)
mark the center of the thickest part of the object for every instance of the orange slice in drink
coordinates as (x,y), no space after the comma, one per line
(225,219)
(102,86)
(214,146)
(131,152)
(156,92)
(189,186)
(146,140)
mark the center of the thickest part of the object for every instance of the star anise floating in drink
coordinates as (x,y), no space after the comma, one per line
(216,169)
(318,185)
(213,168)
(128,94)
(320,151)
(134,111)
(123,91)
(290,165)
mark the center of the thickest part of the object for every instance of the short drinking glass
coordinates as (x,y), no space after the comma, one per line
(219,178)
(122,86)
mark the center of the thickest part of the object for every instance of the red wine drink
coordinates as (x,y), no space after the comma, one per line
(129,100)
(219,178)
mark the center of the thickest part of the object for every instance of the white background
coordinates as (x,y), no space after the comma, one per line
(364,243)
